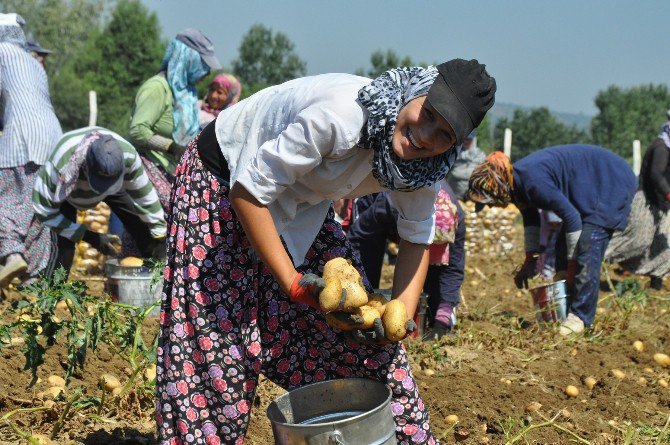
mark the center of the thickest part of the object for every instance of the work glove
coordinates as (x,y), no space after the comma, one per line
(306,289)
(571,272)
(667,196)
(176,150)
(376,335)
(159,249)
(105,243)
(526,271)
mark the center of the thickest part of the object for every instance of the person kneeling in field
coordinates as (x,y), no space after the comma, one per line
(92,165)
(588,187)
(252,225)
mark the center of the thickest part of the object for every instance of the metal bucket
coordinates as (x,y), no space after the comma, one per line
(344,412)
(132,285)
(550,302)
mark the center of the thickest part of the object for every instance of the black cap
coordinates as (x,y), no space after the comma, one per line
(105,163)
(462,93)
(33,45)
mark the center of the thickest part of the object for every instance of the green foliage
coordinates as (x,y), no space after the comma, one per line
(62,26)
(114,62)
(536,129)
(266,58)
(631,294)
(626,114)
(384,61)
(484,136)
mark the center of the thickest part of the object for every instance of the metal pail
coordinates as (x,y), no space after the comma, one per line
(550,302)
(343,412)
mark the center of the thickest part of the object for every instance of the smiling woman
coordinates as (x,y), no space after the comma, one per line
(252,227)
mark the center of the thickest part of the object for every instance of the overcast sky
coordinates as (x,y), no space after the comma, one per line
(557,54)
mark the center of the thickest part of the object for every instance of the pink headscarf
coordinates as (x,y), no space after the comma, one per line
(232,87)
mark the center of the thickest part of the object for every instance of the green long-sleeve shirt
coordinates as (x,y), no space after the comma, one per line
(151,123)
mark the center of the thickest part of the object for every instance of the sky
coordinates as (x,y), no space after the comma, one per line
(557,54)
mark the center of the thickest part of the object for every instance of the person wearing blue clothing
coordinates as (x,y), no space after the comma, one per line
(588,187)
(377,222)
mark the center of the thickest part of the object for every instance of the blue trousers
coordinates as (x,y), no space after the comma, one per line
(377,222)
(583,299)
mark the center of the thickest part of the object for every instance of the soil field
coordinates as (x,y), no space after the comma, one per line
(502,376)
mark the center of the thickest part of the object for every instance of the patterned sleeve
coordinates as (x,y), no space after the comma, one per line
(145,199)
(47,205)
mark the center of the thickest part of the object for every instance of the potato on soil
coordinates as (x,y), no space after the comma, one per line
(109,382)
(662,359)
(571,391)
(395,320)
(638,346)
(590,382)
(150,373)
(451,419)
(55,380)
(53,392)
(619,374)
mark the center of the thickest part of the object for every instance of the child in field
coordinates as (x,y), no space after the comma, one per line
(252,225)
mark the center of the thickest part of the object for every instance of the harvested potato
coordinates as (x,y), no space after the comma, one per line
(663,383)
(53,392)
(117,391)
(330,298)
(662,359)
(378,301)
(109,382)
(429,373)
(618,373)
(344,322)
(533,406)
(451,419)
(571,391)
(395,320)
(638,346)
(131,261)
(41,439)
(351,282)
(55,380)
(590,382)
(150,373)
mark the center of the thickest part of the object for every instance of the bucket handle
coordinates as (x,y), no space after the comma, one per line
(334,437)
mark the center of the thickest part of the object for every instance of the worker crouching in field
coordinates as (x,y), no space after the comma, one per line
(588,187)
(88,166)
(252,225)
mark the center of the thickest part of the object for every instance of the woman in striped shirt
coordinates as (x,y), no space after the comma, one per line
(88,166)
(30,131)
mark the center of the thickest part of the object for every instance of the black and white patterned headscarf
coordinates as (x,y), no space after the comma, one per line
(384,98)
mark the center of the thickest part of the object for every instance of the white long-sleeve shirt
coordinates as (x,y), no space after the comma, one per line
(294,148)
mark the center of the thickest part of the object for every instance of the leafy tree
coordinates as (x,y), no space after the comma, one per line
(114,62)
(266,58)
(62,26)
(535,129)
(628,114)
(484,136)
(381,62)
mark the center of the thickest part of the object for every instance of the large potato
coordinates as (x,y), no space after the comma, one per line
(394,320)
(330,298)
(131,261)
(368,314)
(351,282)
(378,301)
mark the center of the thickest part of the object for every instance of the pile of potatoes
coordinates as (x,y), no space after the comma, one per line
(364,309)
(491,230)
(86,258)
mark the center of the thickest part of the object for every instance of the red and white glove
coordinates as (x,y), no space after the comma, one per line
(306,289)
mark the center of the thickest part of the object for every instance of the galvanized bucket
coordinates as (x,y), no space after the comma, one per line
(133,285)
(343,412)
(550,302)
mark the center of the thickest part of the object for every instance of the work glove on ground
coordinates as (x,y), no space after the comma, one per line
(571,272)
(376,335)
(105,243)
(306,289)
(526,271)
(176,150)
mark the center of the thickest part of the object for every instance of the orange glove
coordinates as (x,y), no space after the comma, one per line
(306,289)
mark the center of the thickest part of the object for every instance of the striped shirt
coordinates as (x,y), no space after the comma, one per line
(31,129)
(135,183)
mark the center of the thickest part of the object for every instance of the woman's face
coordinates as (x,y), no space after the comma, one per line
(420,131)
(217,97)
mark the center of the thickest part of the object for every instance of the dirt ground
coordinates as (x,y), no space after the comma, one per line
(502,375)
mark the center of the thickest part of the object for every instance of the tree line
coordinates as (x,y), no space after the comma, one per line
(112,47)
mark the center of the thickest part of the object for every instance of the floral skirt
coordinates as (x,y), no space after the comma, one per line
(224,320)
(643,247)
(20,232)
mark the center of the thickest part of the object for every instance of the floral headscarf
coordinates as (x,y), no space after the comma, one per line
(665,134)
(230,85)
(184,67)
(492,181)
(384,98)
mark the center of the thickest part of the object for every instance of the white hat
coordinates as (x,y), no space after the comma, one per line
(11,19)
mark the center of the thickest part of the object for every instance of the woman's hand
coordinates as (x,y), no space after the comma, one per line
(263,236)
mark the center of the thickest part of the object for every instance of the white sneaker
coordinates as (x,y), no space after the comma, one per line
(572,325)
